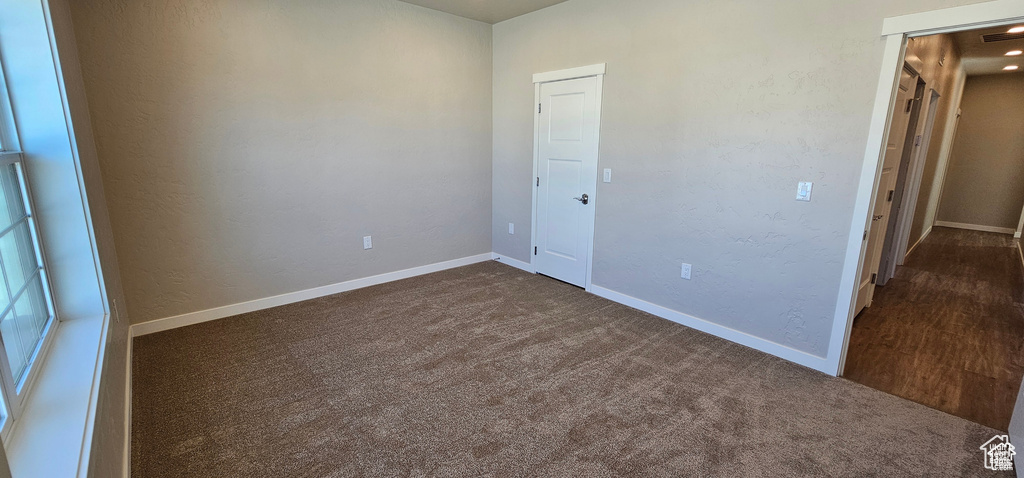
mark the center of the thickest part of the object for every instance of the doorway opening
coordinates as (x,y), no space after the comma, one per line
(938,315)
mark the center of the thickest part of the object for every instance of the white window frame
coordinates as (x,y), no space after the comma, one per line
(15,392)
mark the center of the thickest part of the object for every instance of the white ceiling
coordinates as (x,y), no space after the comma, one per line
(488,11)
(981,58)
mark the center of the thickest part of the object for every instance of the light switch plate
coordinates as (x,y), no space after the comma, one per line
(511,228)
(803,191)
(367,242)
(686,271)
(607,175)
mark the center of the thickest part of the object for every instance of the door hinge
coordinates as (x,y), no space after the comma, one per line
(538,181)
(891,193)
(874,277)
(534,250)
(865,235)
(538,108)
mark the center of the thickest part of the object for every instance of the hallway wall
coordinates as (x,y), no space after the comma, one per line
(947,79)
(985,182)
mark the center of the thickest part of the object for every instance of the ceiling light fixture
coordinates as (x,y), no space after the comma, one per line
(1010,67)
(1014,53)
(1016,30)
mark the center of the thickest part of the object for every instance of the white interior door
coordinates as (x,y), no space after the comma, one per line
(567,143)
(880,214)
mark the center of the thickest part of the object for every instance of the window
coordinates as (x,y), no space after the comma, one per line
(26,309)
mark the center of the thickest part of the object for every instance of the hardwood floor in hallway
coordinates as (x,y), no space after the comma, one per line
(948,330)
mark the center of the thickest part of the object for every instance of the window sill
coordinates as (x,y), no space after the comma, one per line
(53,435)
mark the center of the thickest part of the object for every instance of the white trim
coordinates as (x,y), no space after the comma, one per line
(975,227)
(918,243)
(534,179)
(597,71)
(1020,253)
(16,401)
(191,318)
(47,439)
(518,264)
(803,358)
(127,458)
(888,81)
(593,225)
(570,73)
(94,396)
(999,12)
(1020,225)
(896,29)
(915,175)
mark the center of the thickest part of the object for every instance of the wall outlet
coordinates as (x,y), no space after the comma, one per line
(367,242)
(607,175)
(686,271)
(511,228)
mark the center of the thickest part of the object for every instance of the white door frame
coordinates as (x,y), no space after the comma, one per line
(896,30)
(597,71)
(1020,226)
(915,173)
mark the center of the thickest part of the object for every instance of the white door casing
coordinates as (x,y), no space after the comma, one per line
(882,206)
(915,177)
(566,148)
(912,148)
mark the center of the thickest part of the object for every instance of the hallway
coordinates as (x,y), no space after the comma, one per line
(948,330)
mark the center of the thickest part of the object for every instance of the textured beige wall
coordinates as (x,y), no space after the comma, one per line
(985,182)
(713,112)
(947,79)
(247,147)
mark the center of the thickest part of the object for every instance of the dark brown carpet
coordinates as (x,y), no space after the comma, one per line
(489,371)
(948,330)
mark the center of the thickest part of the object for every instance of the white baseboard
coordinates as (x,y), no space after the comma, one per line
(976,227)
(803,358)
(160,325)
(918,243)
(518,264)
(742,338)
(128,411)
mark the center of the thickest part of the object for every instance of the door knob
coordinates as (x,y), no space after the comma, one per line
(585,199)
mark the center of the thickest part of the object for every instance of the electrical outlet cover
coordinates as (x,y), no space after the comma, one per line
(803,191)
